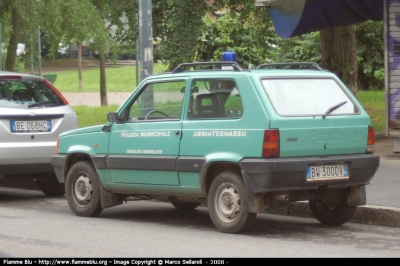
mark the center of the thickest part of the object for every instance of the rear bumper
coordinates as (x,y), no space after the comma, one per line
(26,169)
(266,175)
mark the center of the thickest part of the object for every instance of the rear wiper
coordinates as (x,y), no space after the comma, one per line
(40,103)
(333,108)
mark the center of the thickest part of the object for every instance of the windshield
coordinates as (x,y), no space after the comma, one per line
(29,93)
(308,97)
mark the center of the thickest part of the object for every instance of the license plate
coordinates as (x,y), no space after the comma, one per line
(31,126)
(327,172)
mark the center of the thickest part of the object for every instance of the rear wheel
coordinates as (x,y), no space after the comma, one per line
(337,212)
(83,190)
(184,206)
(228,204)
(50,186)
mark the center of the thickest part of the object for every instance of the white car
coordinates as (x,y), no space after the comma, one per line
(21,49)
(33,113)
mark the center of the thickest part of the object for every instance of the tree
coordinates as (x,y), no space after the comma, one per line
(13,11)
(178,26)
(193,33)
(339,54)
(248,35)
(370,55)
(119,20)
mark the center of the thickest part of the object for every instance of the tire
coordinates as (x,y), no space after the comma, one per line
(228,204)
(50,186)
(336,215)
(83,190)
(184,206)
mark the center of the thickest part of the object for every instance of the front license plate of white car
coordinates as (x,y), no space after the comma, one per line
(31,126)
(336,171)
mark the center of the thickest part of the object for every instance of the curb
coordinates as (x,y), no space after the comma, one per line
(366,214)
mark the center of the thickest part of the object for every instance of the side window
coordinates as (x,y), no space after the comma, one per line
(158,101)
(215,99)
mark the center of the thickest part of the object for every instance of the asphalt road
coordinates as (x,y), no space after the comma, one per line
(35,226)
(385,185)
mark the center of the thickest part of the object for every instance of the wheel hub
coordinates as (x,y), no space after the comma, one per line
(83,190)
(227,203)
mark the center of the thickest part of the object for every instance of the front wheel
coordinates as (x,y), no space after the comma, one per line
(228,204)
(83,190)
(334,214)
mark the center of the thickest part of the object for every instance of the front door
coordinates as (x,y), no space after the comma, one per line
(144,144)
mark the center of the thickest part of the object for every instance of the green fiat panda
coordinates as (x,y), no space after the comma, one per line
(241,141)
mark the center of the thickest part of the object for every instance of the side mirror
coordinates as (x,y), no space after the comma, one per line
(112,117)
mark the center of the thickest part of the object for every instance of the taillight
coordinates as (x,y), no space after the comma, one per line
(10,77)
(271,148)
(371,140)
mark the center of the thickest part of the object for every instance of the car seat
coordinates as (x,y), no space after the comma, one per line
(21,96)
(206,105)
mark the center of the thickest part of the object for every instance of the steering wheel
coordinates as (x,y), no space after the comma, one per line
(155,111)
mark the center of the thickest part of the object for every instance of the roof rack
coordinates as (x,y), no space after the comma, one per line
(291,65)
(211,66)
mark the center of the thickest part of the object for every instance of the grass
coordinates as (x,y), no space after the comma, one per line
(374,103)
(90,116)
(123,79)
(118,79)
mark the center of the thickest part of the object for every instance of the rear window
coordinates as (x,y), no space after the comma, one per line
(19,92)
(307,97)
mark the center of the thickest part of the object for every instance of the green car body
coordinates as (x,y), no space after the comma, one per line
(262,129)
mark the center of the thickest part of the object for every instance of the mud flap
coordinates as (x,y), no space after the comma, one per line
(357,196)
(109,199)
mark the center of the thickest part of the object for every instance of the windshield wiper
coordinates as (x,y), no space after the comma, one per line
(333,108)
(40,103)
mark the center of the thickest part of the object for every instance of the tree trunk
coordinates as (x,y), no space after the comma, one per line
(339,54)
(14,39)
(103,86)
(80,66)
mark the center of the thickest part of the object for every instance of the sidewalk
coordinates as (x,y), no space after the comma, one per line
(383,148)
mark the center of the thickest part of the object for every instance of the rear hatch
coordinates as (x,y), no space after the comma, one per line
(32,116)
(316,116)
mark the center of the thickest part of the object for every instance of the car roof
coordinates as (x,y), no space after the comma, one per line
(278,70)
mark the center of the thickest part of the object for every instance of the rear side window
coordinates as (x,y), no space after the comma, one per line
(27,92)
(307,97)
(214,98)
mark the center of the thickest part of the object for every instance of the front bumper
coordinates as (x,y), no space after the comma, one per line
(266,175)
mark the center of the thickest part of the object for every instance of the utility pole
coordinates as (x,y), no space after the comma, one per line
(146,53)
(1,49)
(145,39)
(39,54)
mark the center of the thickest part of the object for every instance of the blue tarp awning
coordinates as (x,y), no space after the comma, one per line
(296,17)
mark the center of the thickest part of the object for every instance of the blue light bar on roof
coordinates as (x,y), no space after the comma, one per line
(229,56)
